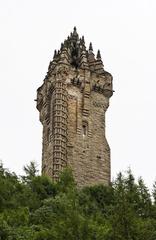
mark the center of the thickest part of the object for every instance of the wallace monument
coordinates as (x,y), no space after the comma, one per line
(72,102)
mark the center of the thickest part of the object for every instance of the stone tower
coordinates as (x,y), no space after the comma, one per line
(72,102)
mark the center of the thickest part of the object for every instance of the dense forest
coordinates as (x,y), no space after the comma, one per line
(33,207)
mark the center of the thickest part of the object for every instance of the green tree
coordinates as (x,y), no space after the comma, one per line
(122,216)
(145,204)
(154,192)
(36,208)
(31,171)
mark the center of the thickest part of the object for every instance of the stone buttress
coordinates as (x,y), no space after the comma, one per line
(72,102)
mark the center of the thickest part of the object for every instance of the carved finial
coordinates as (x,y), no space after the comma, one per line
(65,43)
(98,55)
(62,45)
(83,48)
(99,67)
(55,53)
(82,41)
(74,31)
(90,47)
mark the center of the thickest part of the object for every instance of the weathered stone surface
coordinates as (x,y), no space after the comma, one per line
(72,103)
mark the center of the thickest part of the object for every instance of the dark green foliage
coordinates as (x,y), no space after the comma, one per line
(30,171)
(33,207)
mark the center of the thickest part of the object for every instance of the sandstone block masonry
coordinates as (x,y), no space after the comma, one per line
(72,102)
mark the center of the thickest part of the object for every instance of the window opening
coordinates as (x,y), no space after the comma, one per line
(84,129)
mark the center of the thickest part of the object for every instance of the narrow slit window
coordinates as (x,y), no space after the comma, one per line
(48,135)
(84,129)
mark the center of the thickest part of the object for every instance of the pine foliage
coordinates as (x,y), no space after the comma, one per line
(33,207)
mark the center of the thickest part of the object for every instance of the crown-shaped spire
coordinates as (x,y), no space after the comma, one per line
(73,52)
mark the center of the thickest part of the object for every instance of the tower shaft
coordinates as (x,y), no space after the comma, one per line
(72,103)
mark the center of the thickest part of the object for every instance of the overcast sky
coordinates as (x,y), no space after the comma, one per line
(124,31)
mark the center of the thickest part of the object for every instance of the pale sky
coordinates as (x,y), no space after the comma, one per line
(124,31)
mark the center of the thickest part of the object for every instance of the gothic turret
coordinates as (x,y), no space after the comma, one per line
(72,103)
